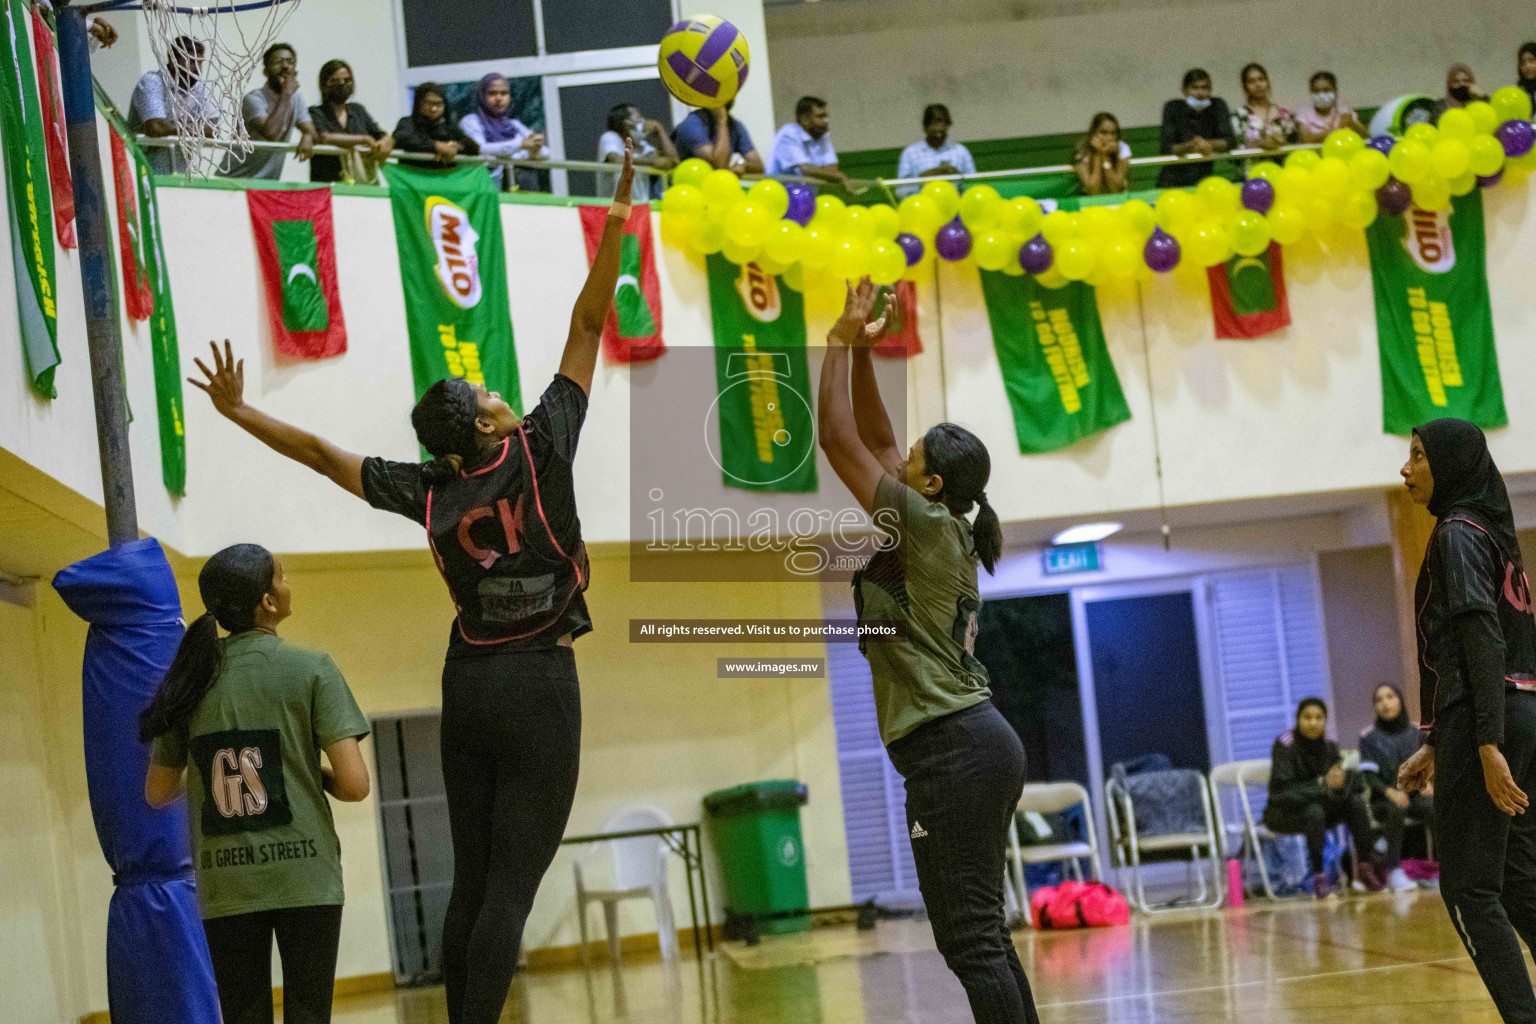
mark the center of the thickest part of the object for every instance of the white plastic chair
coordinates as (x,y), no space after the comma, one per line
(1051,798)
(638,870)
(1243,775)
(1127,846)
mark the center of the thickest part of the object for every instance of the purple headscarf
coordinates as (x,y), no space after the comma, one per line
(498,127)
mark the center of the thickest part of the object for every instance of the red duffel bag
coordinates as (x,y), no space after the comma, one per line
(1079,905)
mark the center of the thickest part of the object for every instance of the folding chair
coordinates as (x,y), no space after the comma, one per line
(1051,798)
(1128,844)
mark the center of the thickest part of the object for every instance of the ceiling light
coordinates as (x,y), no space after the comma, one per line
(1086,533)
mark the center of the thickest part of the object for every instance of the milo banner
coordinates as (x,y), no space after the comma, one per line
(1434,324)
(767,426)
(26,186)
(1057,373)
(453,270)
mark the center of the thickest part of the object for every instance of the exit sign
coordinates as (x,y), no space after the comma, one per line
(1068,558)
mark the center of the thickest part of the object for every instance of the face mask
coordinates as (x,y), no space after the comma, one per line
(636,133)
(1197,104)
(1323,100)
(1462,93)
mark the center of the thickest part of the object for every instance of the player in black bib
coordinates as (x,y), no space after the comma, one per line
(498,502)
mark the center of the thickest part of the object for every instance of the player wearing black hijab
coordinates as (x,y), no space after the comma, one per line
(1477,679)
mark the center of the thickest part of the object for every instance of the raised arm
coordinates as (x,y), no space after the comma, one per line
(225,385)
(596,298)
(869,408)
(837,425)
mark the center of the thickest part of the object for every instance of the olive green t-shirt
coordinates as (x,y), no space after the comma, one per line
(262,834)
(926,575)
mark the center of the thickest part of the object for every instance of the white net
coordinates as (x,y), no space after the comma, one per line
(209,57)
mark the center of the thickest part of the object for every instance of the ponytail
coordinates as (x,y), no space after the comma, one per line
(192,672)
(961,460)
(441,469)
(987,534)
(232,584)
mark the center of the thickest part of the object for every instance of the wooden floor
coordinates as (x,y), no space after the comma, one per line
(1361,960)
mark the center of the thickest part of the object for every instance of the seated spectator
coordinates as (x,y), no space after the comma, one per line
(1325,114)
(1460,89)
(804,146)
(1525,68)
(149,111)
(723,142)
(652,148)
(1383,749)
(340,122)
(935,154)
(1310,792)
(1198,124)
(1260,123)
(499,134)
(430,129)
(271,113)
(1102,161)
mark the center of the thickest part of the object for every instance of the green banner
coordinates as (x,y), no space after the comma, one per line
(767,426)
(1434,323)
(454,273)
(164,344)
(26,184)
(1060,382)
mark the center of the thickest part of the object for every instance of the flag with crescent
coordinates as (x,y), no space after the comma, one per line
(901,341)
(296,246)
(633,331)
(1248,295)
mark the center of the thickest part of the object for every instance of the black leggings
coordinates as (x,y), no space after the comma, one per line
(964,774)
(241,948)
(1313,820)
(511,742)
(1487,859)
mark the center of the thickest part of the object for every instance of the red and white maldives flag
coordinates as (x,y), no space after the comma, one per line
(296,245)
(48,96)
(901,341)
(633,331)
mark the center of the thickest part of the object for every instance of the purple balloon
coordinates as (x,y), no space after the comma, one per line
(1517,137)
(1490,180)
(1162,252)
(802,203)
(912,246)
(1382,144)
(1394,197)
(954,241)
(1036,255)
(1258,195)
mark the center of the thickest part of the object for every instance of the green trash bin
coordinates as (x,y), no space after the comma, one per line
(755,829)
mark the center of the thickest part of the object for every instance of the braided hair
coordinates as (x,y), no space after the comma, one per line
(960,459)
(232,584)
(444,420)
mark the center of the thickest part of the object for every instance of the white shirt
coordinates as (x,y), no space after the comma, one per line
(154,98)
(474,127)
(646,186)
(920,157)
(793,146)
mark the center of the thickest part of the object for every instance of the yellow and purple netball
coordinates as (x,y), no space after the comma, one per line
(703,61)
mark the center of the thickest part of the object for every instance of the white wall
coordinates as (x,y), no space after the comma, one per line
(1007,68)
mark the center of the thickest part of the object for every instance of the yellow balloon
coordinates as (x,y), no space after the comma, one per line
(1484,155)
(693,171)
(886,262)
(1219,195)
(1521,164)
(1052,278)
(1331,177)
(946,196)
(769,194)
(1422,132)
(1484,118)
(768,265)
(1287,222)
(1292,182)
(721,187)
(1342,143)
(831,212)
(887,223)
(1511,104)
(1121,258)
(1432,194)
(1022,216)
(1450,157)
(1058,226)
(711,237)
(1462,184)
(747,226)
(786,241)
(1140,217)
(819,247)
(737,252)
(1266,169)
(920,215)
(860,224)
(1303,159)
(1320,213)
(1409,160)
(1096,223)
(683,201)
(979,206)
(992,251)
(1369,169)
(1074,259)
(1456,124)
(1249,233)
(680,232)
(794,277)
(1012,269)
(1358,210)
(851,258)
(1176,210)
(1208,244)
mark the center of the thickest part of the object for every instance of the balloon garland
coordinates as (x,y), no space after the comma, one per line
(1348,182)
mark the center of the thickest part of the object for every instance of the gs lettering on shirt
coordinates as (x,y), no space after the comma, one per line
(242,775)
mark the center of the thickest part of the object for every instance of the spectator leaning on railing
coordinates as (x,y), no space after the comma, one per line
(1325,114)
(271,112)
(1460,89)
(1195,124)
(1525,68)
(721,141)
(804,146)
(339,122)
(1102,160)
(149,111)
(430,129)
(936,154)
(1261,123)
(652,148)
(498,133)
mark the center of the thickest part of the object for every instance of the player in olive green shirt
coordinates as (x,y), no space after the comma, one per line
(962,762)
(245,719)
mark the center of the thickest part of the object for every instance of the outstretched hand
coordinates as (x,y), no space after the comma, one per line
(226,381)
(621,191)
(855,326)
